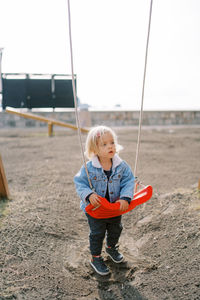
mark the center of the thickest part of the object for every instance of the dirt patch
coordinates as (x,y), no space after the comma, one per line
(44,235)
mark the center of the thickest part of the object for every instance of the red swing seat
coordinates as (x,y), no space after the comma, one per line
(110,210)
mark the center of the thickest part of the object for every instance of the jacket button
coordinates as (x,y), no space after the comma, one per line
(119,176)
(110,181)
(95,178)
(111,193)
(102,191)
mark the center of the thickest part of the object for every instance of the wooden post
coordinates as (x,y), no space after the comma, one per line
(4,192)
(50,128)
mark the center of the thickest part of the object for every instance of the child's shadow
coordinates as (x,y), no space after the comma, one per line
(116,284)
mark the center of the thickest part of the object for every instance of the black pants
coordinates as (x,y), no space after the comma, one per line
(111,227)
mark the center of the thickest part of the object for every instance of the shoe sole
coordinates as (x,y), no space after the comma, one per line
(115,261)
(100,273)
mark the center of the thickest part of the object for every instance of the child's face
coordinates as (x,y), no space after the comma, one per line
(106,146)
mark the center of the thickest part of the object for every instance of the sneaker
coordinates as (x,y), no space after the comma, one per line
(99,266)
(114,254)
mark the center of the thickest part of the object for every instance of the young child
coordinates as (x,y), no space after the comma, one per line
(111,178)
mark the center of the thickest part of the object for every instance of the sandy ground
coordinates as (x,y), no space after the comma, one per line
(44,235)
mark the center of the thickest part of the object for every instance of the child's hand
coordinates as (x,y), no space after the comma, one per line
(123,204)
(94,200)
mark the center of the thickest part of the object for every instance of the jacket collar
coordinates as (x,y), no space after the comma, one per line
(116,161)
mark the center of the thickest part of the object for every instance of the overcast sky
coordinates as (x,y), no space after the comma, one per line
(109,38)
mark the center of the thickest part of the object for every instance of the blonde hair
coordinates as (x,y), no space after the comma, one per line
(94,134)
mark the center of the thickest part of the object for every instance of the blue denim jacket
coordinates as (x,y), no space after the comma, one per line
(120,183)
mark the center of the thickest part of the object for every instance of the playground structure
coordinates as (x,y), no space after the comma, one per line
(4,191)
(50,122)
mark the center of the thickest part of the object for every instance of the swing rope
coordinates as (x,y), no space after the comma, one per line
(143,86)
(75,96)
